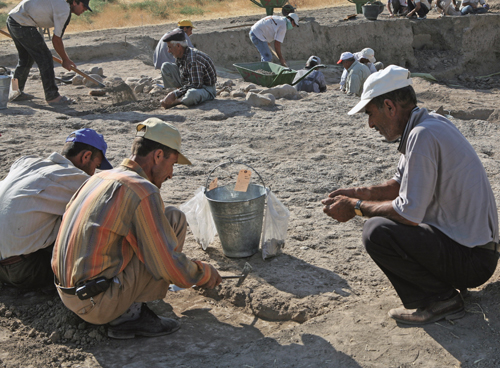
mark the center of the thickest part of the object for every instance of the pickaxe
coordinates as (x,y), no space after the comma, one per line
(246,270)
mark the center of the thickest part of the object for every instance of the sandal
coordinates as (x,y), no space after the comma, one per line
(24,97)
(63,102)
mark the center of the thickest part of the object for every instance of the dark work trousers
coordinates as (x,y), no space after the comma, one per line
(33,271)
(422,12)
(32,48)
(423,264)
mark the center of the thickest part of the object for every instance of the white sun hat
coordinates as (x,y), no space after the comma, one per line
(389,79)
(368,54)
(294,17)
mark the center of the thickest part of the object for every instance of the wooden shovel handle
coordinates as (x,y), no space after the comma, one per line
(76,70)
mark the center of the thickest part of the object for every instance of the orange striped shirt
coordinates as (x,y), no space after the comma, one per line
(116,214)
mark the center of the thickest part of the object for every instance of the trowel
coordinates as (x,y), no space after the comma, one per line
(246,270)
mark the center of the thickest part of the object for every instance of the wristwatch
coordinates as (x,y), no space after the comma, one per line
(357,208)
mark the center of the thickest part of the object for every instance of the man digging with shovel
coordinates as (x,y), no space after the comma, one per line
(23,23)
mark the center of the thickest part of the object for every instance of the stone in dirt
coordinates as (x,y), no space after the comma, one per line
(259,100)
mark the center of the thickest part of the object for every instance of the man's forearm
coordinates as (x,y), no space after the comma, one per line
(384,192)
(59,47)
(383,209)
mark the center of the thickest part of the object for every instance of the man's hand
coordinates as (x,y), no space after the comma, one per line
(340,208)
(349,192)
(68,64)
(214,281)
(170,101)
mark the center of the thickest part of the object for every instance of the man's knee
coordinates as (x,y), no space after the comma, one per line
(374,232)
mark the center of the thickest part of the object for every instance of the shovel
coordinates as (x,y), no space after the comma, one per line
(246,270)
(76,70)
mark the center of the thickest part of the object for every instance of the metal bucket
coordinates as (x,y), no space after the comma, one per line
(4,90)
(238,217)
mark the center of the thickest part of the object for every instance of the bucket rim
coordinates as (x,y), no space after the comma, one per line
(239,201)
(231,161)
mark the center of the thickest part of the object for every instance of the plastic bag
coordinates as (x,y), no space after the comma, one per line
(275,227)
(199,218)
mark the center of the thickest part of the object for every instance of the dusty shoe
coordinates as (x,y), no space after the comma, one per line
(148,324)
(452,308)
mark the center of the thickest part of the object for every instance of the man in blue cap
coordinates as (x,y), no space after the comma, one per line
(33,197)
(23,23)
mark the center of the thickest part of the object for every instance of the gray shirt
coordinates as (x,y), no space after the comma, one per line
(33,197)
(43,13)
(356,76)
(162,55)
(443,183)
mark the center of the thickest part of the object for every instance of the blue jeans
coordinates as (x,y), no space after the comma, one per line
(32,48)
(470,10)
(262,46)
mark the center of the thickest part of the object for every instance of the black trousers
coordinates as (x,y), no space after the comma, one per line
(422,12)
(423,264)
(33,271)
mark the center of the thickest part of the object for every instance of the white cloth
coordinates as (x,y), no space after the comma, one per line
(161,54)
(271,28)
(33,197)
(443,183)
(43,13)
(425,2)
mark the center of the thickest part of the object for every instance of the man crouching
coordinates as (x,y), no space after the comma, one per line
(193,73)
(119,247)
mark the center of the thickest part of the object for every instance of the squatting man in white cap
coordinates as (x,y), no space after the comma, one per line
(356,74)
(119,247)
(33,198)
(193,74)
(366,57)
(269,29)
(433,227)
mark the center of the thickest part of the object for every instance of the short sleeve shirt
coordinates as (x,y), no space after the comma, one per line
(269,29)
(43,13)
(443,183)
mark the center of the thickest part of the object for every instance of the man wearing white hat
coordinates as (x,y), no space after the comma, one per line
(356,74)
(119,247)
(433,227)
(269,29)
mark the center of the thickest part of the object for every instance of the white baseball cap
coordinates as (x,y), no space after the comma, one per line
(368,54)
(389,79)
(345,56)
(294,17)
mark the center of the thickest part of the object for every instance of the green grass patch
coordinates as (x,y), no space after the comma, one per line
(3,5)
(191,10)
(157,8)
(3,19)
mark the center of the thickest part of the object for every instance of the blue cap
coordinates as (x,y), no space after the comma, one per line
(94,139)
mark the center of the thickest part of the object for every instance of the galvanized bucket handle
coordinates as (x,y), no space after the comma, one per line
(231,161)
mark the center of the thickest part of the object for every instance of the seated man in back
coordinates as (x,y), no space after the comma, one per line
(119,247)
(356,74)
(472,7)
(366,57)
(33,198)
(161,54)
(418,7)
(314,81)
(400,7)
(193,74)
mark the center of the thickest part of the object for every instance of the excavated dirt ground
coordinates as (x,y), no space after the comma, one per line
(323,303)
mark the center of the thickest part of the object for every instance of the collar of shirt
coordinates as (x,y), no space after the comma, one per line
(129,164)
(59,159)
(186,56)
(417,115)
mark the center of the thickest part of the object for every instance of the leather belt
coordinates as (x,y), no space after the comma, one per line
(12,260)
(490,246)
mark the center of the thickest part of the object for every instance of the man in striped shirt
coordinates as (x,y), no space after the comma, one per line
(193,74)
(119,247)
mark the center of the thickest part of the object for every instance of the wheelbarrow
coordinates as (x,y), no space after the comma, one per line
(359,5)
(271,4)
(276,74)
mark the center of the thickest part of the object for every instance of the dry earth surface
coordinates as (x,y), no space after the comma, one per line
(323,302)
